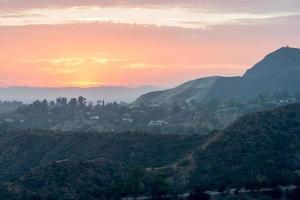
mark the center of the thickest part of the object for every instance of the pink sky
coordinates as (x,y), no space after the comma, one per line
(131,43)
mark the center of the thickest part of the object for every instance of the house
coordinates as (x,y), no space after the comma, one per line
(154,105)
(9,120)
(96,117)
(127,119)
(157,123)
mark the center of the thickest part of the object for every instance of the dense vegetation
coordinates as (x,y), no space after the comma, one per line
(23,150)
(185,118)
(9,106)
(67,180)
(260,149)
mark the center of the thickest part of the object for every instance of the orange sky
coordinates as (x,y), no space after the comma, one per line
(92,44)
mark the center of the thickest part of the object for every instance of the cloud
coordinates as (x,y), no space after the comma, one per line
(232,5)
(62,61)
(177,17)
(131,54)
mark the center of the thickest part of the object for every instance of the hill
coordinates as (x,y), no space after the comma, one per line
(22,150)
(67,180)
(258,149)
(277,72)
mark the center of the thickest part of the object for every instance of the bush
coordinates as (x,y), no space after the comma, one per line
(295,194)
(198,194)
(276,193)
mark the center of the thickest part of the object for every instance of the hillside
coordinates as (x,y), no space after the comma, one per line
(22,150)
(67,180)
(258,150)
(277,72)
(189,91)
(261,149)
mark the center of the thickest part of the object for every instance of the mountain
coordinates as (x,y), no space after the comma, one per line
(258,149)
(277,72)
(192,90)
(107,93)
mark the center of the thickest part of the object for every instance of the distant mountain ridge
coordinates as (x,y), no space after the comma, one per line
(277,72)
(108,93)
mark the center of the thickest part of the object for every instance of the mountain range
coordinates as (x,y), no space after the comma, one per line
(106,93)
(279,71)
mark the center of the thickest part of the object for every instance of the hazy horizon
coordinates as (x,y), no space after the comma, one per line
(135,43)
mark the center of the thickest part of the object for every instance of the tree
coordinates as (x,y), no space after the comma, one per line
(221,187)
(90,104)
(133,185)
(81,101)
(62,101)
(236,192)
(276,193)
(45,102)
(295,194)
(40,107)
(198,194)
(176,108)
(297,96)
(233,104)
(281,95)
(73,102)
(213,104)
(297,181)
(159,188)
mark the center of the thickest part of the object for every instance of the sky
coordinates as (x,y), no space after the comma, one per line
(88,43)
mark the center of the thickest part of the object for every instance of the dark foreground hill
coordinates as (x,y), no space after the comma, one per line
(23,150)
(67,180)
(258,149)
(277,72)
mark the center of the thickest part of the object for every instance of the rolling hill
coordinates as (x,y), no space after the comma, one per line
(278,71)
(67,180)
(260,148)
(22,150)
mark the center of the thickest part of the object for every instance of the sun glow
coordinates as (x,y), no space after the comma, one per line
(86,83)
(91,43)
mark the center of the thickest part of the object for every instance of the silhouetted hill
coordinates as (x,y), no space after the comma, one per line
(281,62)
(22,150)
(260,148)
(277,72)
(67,180)
(192,90)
